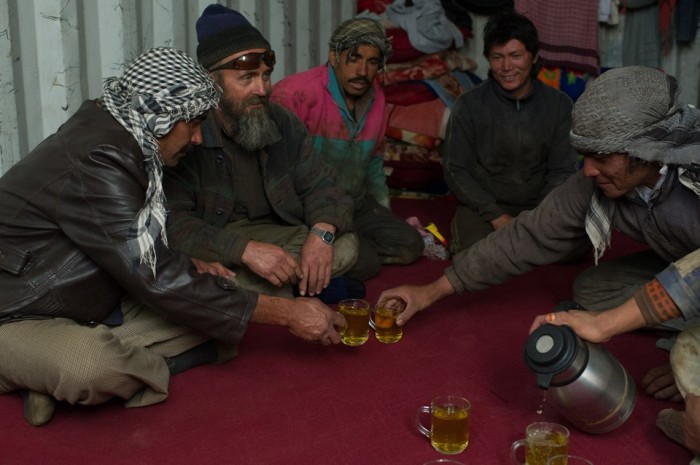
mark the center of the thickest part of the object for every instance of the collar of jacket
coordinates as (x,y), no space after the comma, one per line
(506,96)
(366,101)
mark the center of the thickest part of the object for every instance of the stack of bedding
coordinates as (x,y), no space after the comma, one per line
(424,76)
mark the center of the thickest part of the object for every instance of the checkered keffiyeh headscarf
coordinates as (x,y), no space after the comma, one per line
(160,88)
(352,33)
(635,110)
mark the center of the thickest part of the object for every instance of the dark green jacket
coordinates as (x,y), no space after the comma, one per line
(299,186)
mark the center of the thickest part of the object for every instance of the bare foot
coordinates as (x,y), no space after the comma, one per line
(660,384)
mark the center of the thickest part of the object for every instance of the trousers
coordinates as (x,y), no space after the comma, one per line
(468,227)
(90,365)
(291,238)
(384,239)
(613,282)
(685,361)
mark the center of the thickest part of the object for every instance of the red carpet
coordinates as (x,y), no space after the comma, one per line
(284,401)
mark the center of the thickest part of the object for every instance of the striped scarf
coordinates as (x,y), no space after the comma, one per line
(160,88)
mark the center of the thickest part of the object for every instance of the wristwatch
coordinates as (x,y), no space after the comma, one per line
(326,236)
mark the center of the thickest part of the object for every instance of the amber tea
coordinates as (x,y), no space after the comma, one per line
(385,328)
(543,440)
(356,329)
(450,429)
(545,444)
(449,423)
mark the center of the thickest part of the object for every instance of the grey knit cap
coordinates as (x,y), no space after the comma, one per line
(635,110)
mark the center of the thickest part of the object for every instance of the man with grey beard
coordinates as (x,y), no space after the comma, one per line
(252,130)
(254,196)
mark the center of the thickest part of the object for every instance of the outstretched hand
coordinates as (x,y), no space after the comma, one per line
(596,326)
(415,298)
(412,298)
(583,323)
(311,320)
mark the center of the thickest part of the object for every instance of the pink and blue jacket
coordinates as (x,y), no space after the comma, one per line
(354,149)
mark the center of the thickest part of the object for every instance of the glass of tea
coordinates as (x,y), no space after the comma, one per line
(449,423)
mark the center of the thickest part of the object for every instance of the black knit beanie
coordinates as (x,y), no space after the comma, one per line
(221,32)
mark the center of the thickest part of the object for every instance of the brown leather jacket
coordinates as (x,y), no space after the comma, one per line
(65,211)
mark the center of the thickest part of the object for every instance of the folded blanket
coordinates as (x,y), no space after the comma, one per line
(568,32)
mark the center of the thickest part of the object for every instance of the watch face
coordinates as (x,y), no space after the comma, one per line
(326,236)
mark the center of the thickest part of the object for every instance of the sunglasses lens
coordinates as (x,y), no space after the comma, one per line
(254,60)
(250,61)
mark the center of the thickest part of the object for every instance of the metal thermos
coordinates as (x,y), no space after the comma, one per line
(582,381)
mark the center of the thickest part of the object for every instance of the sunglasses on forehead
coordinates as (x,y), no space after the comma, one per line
(249,61)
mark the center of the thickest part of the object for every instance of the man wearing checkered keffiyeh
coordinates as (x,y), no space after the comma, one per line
(79,221)
(160,88)
(92,305)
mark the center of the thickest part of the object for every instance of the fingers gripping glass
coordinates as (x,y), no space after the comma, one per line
(249,61)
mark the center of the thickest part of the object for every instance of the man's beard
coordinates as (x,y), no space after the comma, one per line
(252,130)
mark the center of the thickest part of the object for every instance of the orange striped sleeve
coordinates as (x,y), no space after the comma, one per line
(655,303)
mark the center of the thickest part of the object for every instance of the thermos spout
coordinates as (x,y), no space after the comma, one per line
(544,380)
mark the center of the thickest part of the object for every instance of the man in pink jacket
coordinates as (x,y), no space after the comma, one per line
(343,107)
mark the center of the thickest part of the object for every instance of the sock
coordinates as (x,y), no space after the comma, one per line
(342,288)
(199,355)
(338,289)
(671,422)
(38,407)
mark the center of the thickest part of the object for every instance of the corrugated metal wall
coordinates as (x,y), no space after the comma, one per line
(55,53)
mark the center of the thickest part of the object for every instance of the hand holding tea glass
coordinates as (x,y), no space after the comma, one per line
(383,322)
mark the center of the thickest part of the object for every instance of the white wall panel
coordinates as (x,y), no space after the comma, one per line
(9,137)
(682,60)
(55,53)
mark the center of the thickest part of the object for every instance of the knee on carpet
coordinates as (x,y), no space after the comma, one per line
(587,290)
(410,251)
(98,368)
(366,267)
